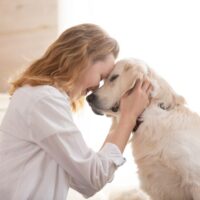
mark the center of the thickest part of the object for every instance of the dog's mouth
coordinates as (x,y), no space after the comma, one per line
(100,111)
(97,111)
(115,108)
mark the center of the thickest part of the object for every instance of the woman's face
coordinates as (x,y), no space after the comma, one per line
(90,79)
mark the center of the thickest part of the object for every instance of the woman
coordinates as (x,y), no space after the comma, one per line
(42,151)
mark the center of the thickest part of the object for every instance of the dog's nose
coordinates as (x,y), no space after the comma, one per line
(91,98)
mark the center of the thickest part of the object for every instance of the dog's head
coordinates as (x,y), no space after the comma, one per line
(105,100)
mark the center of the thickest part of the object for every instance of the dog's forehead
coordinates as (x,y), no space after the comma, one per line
(119,67)
(127,64)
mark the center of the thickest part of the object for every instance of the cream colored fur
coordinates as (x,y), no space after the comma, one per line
(135,194)
(166,146)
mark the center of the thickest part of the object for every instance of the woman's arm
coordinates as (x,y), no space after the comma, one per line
(52,128)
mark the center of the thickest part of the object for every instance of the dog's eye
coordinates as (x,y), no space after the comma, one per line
(113,77)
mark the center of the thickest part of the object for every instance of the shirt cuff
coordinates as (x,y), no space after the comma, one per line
(111,151)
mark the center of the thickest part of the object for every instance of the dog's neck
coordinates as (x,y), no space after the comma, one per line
(115,121)
(163,94)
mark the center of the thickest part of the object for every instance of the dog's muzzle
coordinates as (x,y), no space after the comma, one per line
(91,98)
(93,101)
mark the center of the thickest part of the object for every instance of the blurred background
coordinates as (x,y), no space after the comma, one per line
(163,33)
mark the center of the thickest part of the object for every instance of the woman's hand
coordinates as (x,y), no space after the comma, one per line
(132,105)
(135,101)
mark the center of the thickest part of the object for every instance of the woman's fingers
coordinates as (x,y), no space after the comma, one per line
(145,85)
(138,83)
(149,90)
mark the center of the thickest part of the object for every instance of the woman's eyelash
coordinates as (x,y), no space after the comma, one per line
(114,77)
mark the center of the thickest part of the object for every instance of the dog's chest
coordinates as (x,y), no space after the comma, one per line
(150,148)
(159,181)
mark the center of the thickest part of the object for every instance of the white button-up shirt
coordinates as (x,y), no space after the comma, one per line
(42,152)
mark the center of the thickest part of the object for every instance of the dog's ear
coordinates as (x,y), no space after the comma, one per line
(127,67)
(179,100)
(155,87)
(136,76)
(134,69)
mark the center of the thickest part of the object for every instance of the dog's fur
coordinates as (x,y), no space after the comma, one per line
(166,145)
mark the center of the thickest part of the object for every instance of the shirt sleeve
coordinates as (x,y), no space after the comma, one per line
(53,129)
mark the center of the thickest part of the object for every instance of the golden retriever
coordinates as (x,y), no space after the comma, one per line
(166,144)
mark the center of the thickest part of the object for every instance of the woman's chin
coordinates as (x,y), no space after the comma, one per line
(83,93)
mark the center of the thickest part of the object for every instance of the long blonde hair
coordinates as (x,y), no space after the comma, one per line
(67,58)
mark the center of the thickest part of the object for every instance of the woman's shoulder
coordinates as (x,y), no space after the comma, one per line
(28,96)
(38,92)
